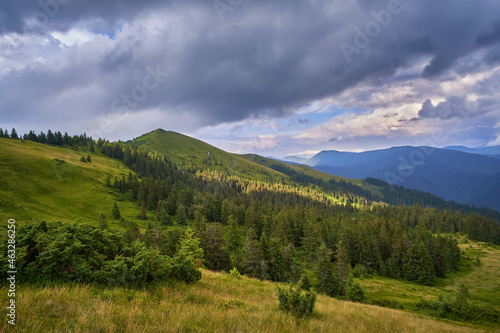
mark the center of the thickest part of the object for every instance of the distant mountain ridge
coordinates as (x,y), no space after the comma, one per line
(465,175)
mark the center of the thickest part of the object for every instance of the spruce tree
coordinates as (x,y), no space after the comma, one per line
(216,256)
(181,215)
(116,212)
(13,134)
(189,248)
(327,281)
(418,265)
(343,267)
(252,256)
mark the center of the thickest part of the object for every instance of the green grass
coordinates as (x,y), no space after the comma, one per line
(45,182)
(217,303)
(184,149)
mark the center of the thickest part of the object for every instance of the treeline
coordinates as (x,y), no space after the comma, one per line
(51,138)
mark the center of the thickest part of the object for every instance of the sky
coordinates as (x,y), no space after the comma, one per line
(273,77)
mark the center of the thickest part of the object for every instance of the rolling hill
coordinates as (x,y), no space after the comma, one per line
(463,177)
(47,182)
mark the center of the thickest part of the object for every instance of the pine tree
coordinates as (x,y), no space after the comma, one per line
(89,159)
(311,240)
(343,267)
(150,236)
(327,282)
(50,137)
(189,248)
(42,138)
(232,238)
(181,215)
(216,257)
(418,265)
(252,255)
(171,203)
(116,212)
(162,215)
(13,134)
(142,214)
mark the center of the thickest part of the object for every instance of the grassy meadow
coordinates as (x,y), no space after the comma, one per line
(52,183)
(217,303)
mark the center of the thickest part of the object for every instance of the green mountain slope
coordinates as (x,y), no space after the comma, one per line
(49,182)
(183,149)
(309,171)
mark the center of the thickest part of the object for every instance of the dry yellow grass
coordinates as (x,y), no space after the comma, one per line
(218,303)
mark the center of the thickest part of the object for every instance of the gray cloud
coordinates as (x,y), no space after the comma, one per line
(454,106)
(265,59)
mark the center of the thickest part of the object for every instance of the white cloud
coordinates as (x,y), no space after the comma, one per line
(75,36)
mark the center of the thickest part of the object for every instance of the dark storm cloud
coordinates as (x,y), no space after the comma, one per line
(259,58)
(62,14)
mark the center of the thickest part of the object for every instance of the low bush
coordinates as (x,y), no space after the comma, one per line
(295,302)
(354,291)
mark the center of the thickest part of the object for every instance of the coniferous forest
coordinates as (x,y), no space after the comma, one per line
(283,231)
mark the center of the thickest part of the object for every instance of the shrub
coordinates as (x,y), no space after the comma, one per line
(185,271)
(354,291)
(234,273)
(295,302)
(83,253)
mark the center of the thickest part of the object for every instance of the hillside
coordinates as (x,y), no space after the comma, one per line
(217,303)
(464,177)
(183,149)
(47,182)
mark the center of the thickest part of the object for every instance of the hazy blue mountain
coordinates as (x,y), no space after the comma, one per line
(452,174)
(490,151)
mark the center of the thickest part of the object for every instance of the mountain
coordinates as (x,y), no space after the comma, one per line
(448,173)
(490,151)
(181,148)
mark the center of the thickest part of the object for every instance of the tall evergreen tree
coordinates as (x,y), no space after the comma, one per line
(418,265)
(13,134)
(216,256)
(343,267)
(252,256)
(327,280)
(115,212)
